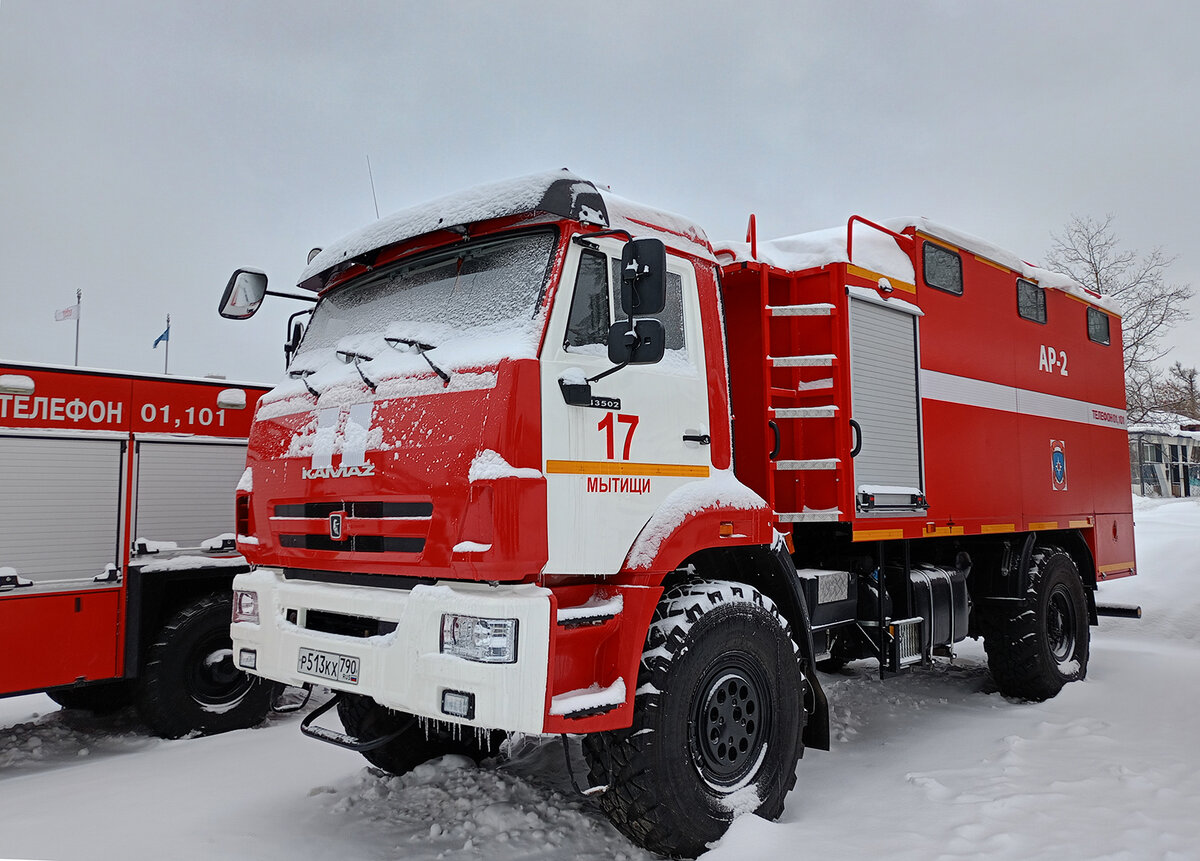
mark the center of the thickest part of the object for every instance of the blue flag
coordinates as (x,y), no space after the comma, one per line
(165,336)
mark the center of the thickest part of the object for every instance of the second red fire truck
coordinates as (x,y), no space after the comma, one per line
(549,461)
(116,551)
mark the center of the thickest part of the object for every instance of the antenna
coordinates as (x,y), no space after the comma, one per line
(371,174)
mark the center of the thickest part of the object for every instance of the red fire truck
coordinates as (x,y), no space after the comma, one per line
(117,554)
(550,461)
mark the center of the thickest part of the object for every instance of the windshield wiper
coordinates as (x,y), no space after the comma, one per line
(422,348)
(302,376)
(358,358)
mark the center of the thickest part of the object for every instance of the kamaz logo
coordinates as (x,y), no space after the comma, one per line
(342,471)
(345,431)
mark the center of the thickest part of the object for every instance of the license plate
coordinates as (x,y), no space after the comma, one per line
(327,665)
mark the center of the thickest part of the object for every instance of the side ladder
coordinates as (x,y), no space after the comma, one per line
(806,380)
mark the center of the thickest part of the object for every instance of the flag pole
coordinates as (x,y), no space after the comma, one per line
(78,308)
(167,351)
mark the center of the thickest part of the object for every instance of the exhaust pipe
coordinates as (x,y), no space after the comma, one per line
(1119,611)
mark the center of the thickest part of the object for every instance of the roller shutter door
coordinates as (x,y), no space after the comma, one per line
(883,374)
(60,503)
(185,491)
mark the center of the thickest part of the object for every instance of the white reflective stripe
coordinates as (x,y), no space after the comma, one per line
(937,386)
(325,438)
(358,423)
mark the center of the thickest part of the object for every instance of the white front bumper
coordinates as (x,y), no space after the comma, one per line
(404,670)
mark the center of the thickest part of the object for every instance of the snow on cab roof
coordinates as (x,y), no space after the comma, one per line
(560,193)
(879,252)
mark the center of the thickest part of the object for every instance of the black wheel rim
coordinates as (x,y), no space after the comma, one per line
(1060,625)
(732,720)
(212,678)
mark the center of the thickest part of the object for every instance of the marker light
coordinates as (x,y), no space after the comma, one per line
(490,641)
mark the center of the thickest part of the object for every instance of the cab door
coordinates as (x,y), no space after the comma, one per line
(611,464)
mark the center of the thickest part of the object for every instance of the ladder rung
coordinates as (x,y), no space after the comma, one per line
(810,517)
(816,361)
(820,309)
(804,412)
(805,465)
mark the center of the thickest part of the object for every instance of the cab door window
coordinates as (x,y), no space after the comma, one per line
(672,313)
(589,320)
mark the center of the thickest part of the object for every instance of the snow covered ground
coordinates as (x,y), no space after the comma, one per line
(930,765)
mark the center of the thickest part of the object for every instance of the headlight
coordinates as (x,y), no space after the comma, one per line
(245,606)
(491,641)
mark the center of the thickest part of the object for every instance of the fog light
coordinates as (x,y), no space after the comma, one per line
(490,641)
(458,704)
(245,606)
(248,659)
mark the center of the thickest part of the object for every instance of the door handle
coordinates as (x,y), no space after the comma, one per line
(702,438)
(857,428)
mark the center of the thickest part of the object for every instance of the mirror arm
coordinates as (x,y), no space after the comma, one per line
(299,313)
(312,299)
(611,370)
(582,238)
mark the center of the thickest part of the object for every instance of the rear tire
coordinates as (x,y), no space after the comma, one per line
(365,719)
(189,682)
(717,722)
(1042,645)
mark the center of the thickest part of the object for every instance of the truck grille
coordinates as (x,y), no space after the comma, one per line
(368,526)
(346,626)
(355,543)
(356,508)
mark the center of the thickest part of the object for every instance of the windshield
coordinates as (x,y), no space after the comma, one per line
(454,303)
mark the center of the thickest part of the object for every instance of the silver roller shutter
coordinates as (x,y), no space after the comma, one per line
(883,375)
(185,491)
(60,503)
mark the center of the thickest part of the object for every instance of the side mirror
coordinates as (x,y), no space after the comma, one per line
(243,294)
(643,277)
(231,399)
(16,384)
(642,344)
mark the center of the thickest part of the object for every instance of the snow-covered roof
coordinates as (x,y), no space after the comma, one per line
(873,250)
(1168,424)
(879,252)
(996,254)
(559,193)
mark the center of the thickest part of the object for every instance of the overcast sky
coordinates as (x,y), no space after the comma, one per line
(149,148)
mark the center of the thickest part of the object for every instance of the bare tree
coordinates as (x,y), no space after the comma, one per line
(1089,251)
(1179,391)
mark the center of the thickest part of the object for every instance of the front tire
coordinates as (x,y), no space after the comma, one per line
(189,682)
(717,722)
(365,719)
(1037,648)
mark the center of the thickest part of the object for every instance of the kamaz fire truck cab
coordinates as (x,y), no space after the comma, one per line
(498,492)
